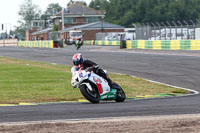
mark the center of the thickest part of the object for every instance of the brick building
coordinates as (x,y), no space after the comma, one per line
(78,16)
(90,30)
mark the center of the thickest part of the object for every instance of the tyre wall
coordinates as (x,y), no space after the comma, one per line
(36,44)
(164,44)
(108,43)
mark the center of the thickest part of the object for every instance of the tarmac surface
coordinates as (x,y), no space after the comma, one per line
(179,68)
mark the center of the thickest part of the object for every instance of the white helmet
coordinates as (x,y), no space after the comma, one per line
(77,59)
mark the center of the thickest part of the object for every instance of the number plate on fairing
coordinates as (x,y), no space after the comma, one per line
(80,75)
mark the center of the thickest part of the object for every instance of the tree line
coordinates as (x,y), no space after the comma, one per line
(127,12)
(122,12)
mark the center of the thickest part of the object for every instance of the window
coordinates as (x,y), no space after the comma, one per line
(70,20)
(95,19)
(57,21)
(85,20)
(90,19)
(35,24)
(41,24)
(74,20)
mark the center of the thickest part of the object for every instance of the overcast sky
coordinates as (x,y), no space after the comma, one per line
(9,9)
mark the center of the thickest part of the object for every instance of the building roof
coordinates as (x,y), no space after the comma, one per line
(80,9)
(42,31)
(95,25)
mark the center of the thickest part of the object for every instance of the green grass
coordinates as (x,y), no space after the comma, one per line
(29,81)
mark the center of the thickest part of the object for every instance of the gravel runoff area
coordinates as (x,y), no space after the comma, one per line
(145,124)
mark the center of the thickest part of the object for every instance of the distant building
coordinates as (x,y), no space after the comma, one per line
(90,30)
(38,24)
(78,16)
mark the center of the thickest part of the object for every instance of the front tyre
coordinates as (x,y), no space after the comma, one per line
(121,96)
(92,96)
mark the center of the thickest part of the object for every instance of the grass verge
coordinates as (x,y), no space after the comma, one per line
(30,81)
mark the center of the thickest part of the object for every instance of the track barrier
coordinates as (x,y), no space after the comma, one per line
(106,43)
(130,44)
(8,42)
(163,44)
(36,44)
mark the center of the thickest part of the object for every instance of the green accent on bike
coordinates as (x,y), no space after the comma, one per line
(110,95)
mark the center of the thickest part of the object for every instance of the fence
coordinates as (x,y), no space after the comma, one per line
(180,30)
(114,36)
(8,42)
(55,36)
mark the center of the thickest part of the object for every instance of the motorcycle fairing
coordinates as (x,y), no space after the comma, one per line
(110,95)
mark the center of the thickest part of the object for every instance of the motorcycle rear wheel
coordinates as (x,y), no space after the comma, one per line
(92,96)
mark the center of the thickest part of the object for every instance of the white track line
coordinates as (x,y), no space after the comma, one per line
(194,91)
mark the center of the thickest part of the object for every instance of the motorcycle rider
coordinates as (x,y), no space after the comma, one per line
(88,65)
(79,43)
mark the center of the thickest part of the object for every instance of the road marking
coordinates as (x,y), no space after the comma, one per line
(27,104)
(5,105)
(80,100)
(194,91)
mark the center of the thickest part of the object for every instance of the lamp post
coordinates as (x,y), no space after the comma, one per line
(102,22)
(154,28)
(98,6)
(63,25)
(159,28)
(181,29)
(5,25)
(165,30)
(176,28)
(187,28)
(194,26)
(170,29)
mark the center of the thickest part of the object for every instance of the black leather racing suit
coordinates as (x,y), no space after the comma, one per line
(97,70)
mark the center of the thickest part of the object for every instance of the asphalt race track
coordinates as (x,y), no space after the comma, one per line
(174,69)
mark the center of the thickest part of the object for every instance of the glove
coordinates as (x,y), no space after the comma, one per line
(96,66)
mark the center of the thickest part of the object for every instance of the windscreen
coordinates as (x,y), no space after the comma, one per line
(75,34)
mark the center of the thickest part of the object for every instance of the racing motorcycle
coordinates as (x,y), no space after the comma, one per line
(95,88)
(78,43)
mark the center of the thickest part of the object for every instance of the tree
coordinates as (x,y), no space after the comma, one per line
(98,4)
(55,27)
(127,12)
(52,9)
(73,2)
(20,31)
(29,11)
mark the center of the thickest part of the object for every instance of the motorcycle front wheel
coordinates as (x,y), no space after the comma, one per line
(92,96)
(121,96)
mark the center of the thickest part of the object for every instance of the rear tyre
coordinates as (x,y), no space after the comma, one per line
(92,96)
